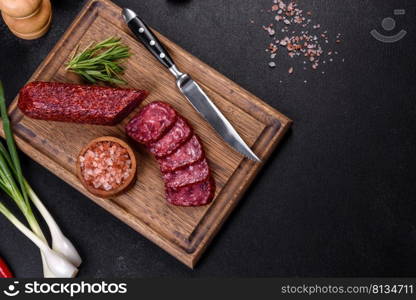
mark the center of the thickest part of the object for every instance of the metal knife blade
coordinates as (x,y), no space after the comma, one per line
(202,104)
(189,88)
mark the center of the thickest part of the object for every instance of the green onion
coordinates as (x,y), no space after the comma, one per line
(58,264)
(62,259)
(100,61)
(11,145)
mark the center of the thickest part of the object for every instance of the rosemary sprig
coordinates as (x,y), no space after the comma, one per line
(100,61)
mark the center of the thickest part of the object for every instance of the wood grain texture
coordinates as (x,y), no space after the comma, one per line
(182,231)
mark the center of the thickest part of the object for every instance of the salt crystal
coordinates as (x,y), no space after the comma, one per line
(299,43)
(104,165)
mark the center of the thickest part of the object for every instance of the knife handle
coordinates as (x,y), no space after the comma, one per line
(150,41)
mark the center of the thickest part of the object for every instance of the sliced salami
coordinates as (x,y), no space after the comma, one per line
(175,137)
(170,138)
(187,154)
(196,194)
(196,172)
(152,122)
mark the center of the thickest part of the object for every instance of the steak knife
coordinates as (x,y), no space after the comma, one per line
(189,88)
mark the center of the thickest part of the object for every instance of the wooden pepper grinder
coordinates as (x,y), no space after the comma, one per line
(27,19)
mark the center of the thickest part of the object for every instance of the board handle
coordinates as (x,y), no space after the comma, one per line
(145,35)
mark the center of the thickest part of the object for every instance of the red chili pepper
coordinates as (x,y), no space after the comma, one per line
(4,270)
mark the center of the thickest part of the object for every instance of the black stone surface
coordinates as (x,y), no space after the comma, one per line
(338,196)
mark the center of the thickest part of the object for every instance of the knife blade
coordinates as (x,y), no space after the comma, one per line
(188,87)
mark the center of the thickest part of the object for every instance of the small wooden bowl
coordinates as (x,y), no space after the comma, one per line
(127,182)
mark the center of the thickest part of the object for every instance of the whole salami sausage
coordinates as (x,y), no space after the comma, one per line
(54,101)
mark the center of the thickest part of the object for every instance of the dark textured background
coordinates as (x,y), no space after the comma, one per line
(338,196)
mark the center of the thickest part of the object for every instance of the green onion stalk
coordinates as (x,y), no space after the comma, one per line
(63,259)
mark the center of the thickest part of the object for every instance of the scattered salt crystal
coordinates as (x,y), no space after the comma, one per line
(299,41)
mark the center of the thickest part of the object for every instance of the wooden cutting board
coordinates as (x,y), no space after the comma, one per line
(183,232)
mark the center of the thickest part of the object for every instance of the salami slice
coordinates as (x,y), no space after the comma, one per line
(196,194)
(196,172)
(152,122)
(188,153)
(175,137)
